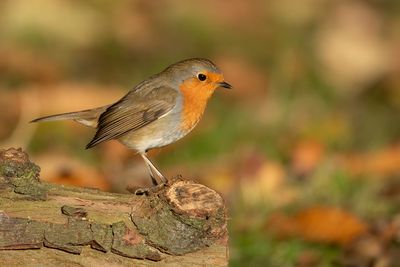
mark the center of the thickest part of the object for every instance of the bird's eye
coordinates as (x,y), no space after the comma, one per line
(202,77)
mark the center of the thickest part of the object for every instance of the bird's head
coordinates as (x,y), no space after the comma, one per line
(197,77)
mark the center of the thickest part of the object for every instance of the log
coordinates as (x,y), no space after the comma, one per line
(182,223)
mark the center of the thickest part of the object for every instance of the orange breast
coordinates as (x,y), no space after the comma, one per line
(195,98)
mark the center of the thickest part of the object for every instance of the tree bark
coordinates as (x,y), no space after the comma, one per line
(41,224)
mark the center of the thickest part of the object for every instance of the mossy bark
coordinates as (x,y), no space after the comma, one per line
(181,224)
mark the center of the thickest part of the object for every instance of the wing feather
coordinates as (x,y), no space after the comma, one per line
(132,112)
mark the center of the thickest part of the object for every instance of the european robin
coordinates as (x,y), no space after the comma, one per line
(158,111)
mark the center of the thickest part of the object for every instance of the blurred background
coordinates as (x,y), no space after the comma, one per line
(305,149)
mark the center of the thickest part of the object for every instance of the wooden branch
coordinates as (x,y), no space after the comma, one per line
(181,224)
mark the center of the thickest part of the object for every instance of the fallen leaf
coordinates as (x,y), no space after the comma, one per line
(383,162)
(321,224)
(306,156)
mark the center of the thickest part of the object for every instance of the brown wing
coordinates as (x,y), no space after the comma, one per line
(132,112)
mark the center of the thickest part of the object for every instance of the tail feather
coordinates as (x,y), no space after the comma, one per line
(58,117)
(87,117)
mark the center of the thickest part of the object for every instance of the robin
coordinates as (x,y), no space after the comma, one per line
(157,112)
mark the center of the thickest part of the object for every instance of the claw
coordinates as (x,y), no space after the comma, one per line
(148,190)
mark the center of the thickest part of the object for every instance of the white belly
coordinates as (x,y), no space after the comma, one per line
(156,134)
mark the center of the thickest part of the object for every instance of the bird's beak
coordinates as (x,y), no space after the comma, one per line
(225,85)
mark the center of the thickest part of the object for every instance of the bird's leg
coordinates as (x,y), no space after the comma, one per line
(153,179)
(153,170)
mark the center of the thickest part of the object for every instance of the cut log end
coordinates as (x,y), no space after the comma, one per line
(195,200)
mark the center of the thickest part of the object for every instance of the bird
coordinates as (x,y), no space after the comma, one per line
(156,112)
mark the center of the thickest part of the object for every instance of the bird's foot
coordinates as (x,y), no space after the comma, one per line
(156,188)
(147,190)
